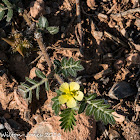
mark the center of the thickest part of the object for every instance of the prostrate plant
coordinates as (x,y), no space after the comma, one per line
(71,95)
(8,6)
(74,99)
(24,88)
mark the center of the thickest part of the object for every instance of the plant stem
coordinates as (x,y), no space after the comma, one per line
(39,40)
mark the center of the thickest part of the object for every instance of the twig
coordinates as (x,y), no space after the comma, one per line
(115,39)
(39,40)
(122,14)
(79,23)
(112,8)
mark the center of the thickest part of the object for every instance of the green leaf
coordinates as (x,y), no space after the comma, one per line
(7,3)
(65,72)
(39,74)
(31,80)
(72,72)
(99,110)
(64,62)
(43,22)
(82,107)
(24,89)
(47,86)
(2,14)
(30,96)
(91,97)
(25,85)
(37,92)
(70,67)
(56,105)
(53,29)
(9,15)
(58,92)
(68,119)
(57,63)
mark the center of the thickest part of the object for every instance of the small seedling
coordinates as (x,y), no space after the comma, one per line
(43,25)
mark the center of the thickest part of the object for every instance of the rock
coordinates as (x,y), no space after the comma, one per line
(121,90)
(91,3)
(137,108)
(32,73)
(1,126)
(7,116)
(37,8)
(137,23)
(113,134)
(118,64)
(120,118)
(133,58)
(42,131)
(48,10)
(14,124)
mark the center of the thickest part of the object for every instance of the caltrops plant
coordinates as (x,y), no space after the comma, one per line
(70,96)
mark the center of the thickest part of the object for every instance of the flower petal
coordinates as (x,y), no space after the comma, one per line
(63,99)
(79,95)
(71,102)
(64,87)
(74,86)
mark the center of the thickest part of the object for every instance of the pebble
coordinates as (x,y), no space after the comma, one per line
(7,116)
(14,124)
(1,126)
(91,3)
(119,118)
(43,129)
(133,58)
(118,64)
(121,90)
(113,134)
(48,10)
(32,73)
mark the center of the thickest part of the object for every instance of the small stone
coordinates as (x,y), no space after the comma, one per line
(133,58)
(1,126)
(48,10)
(91,3)
(119,118)
(118,64)
(137,23)
(55,5)
(121,90)
(42,131)
(137,108)
(7,116)
(14,124)
(32,73)
(37,8)
(113,134)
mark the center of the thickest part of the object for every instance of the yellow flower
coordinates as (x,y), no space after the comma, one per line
(70,93)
